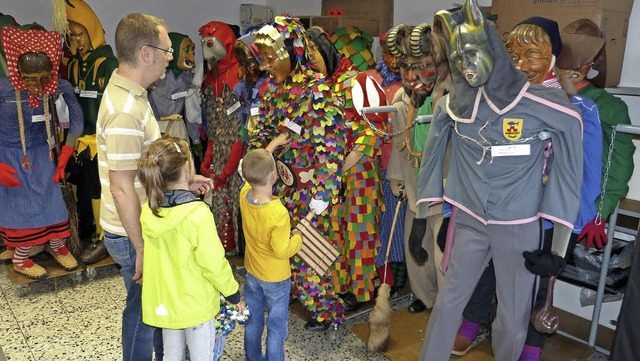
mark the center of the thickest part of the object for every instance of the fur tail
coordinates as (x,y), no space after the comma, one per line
(379,321)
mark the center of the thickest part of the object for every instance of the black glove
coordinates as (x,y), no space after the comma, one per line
(441,240)
(543,263)
(418,229)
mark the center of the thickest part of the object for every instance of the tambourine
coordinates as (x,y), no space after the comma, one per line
(286,173)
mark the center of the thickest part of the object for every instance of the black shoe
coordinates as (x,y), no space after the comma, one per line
(417,306)
(350,301)
(316,326)
(94,252)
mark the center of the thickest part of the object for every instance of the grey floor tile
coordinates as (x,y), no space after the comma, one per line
(62,321)
(14,344)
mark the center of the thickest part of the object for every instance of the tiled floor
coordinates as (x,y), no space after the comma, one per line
(66,321)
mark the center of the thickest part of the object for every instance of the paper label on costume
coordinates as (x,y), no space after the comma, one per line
(88,94)
(39,118)
(510,150)
(293,126)
(233,108)
(179,95)
(255,111)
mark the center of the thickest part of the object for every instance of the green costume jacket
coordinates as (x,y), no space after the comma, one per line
(90,77)
(420,132)
(613,111)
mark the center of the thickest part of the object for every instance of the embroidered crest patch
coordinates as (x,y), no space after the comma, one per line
(512,128)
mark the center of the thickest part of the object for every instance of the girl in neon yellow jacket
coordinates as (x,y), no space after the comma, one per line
(184,267)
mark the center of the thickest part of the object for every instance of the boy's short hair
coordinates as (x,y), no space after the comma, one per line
(257,166)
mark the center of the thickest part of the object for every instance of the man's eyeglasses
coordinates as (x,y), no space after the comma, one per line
(168,51)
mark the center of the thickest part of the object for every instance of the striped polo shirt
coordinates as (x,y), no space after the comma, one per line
(124,130)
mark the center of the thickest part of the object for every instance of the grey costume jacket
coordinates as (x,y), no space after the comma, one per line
(498,133)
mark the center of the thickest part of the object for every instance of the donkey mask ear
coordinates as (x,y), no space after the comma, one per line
(443,23)
(472,13)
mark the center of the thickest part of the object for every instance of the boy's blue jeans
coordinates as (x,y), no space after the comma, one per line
(273,297)
(138,339)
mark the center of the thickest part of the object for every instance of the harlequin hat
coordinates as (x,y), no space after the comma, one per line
(355,44)
(329,53)
(287,36)
(79,12)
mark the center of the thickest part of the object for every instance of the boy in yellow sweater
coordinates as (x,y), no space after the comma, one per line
(269,244)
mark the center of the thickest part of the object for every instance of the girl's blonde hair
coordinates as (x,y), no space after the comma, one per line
(162,167)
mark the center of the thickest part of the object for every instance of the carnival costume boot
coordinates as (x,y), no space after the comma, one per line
(61,254)
(6,255)
(25,266)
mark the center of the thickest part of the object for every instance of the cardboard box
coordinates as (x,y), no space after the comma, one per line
(331,24)
(528,8)
(612,16)
(380,11)
(251,14)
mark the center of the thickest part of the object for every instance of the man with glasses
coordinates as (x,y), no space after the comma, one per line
(125,128)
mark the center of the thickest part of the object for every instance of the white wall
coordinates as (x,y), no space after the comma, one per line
(186,16)
(183,16)
(296,7)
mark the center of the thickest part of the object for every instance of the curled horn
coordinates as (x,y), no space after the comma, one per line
(419,40)
(392,40)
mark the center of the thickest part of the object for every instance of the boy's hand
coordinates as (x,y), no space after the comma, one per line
(281,139)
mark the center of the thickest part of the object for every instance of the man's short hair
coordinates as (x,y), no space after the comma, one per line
(257,166)
(133,32)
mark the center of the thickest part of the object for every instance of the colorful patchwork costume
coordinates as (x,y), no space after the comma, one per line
(305,107)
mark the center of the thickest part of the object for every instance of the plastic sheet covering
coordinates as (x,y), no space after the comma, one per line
(585,269)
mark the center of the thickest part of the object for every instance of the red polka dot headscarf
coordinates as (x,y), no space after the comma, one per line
(17,42)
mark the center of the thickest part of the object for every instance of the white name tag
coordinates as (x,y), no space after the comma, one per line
(88,94)
(233,108)
(255,111)
(39,118)
(510,150)
(179,95)
(293,126)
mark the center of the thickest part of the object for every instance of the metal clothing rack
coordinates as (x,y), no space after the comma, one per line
(597,307)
